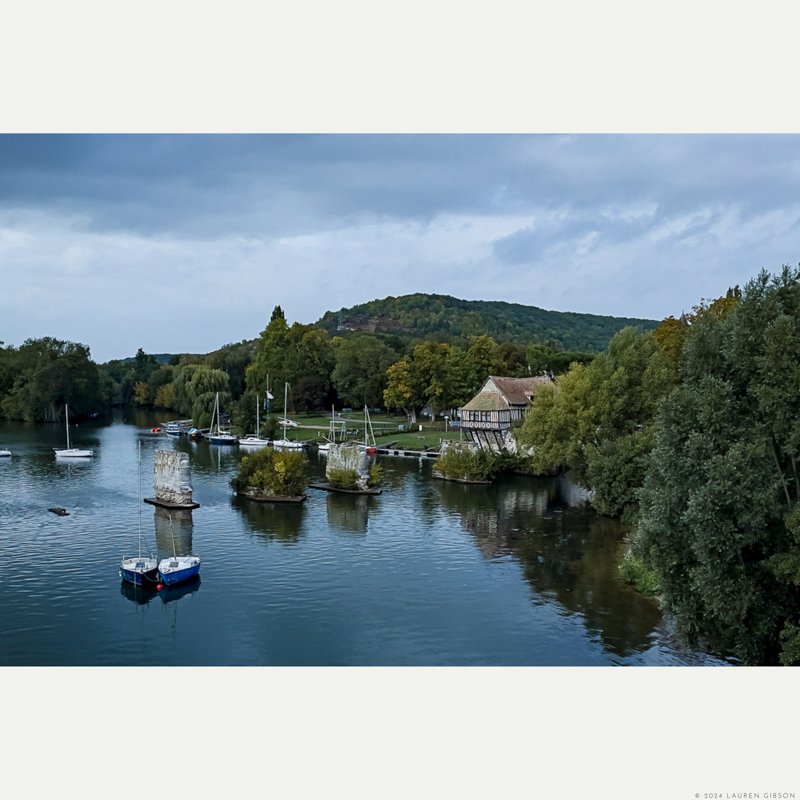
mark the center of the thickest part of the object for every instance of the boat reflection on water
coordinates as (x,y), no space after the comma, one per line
(349,512)
(141,595)
(177,523)
(279,521)
(169,594)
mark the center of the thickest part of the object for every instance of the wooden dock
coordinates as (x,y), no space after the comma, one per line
(402,451)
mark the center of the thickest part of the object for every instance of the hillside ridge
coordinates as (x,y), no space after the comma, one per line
(419,315)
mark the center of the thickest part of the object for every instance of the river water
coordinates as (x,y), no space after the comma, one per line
(428,573)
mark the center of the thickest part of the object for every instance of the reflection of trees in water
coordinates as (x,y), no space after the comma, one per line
(349,512)
(396,470)
(497,515)
(575,558)
(280,521)
(571,494)
(175,523)
(570,555)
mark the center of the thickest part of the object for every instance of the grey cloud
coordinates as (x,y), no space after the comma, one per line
(629,225)
(264,185)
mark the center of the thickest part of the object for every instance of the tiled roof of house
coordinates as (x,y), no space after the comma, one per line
(516,390)
(486,401)
(512,392)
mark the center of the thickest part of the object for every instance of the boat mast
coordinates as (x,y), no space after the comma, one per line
(285,400)
(172,534)
(140,499)
(66,422)
(258,426)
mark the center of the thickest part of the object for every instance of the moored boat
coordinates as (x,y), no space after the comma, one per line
(255,440)
(217,435)
(139,570)
(71,452)
(176,427)
(178,569)
(286,443)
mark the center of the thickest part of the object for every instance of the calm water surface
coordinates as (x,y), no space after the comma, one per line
(428,573)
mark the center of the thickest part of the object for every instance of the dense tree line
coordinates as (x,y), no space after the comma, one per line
(349,370)
(42,375)
(692,431)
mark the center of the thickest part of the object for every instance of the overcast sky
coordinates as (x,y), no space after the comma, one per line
(185,243)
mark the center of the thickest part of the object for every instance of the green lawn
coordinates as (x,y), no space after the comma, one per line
(314,426)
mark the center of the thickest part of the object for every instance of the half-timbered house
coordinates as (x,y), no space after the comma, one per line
(499,404)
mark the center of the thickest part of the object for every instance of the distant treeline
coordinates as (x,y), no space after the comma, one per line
(353,369)
(692,433)
(420,316)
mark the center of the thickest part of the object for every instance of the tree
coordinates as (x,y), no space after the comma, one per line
(300,355)
(165,396)
(234,360)
(45,374)
(141,395)
(359,375)
(194,390)
(400,389)
(719,505)
(159,378)
(597,421)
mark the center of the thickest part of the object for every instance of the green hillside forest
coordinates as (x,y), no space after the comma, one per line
(421,315)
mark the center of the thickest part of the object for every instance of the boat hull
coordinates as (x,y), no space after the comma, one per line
(222,439)
(254,442)
(137,575)
(288,444)
(74,453)
(171,577)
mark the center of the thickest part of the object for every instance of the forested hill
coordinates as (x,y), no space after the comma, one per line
(421,315)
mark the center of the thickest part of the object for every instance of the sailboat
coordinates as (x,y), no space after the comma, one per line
(71,452)
(333,429)
(139,570)
(255,441)
(177,569)
(5,453)
(219,436)
(369,446)
(286,444)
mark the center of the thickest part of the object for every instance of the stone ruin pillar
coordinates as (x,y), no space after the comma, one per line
(172,478)
(352,458)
